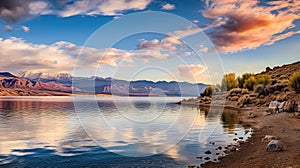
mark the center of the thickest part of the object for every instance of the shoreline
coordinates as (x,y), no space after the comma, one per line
(252,152)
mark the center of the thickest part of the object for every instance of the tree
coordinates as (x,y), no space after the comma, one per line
(209,90)
(294,82)
(229,82)
(243,79)
(250,83)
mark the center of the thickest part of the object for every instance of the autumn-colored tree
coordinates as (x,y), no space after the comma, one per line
(229,82)
(243,79)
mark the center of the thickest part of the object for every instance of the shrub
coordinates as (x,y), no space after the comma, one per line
(237,92)
(263,79)
(250,83)
(229,82)
(209,90)
(243,79)
(277,87)
(260,89)
(294,82)
(245,99)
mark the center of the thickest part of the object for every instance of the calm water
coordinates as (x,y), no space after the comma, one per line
(110,132)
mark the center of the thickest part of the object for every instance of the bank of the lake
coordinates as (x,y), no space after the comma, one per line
(283,126)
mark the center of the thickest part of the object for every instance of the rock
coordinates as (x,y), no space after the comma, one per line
(220,148)
(296,115)
(298,107)
(241,137)
(199,157)
(232,148)
(290,106)
(251,115)
(268,138)
(267,113)
(208,152)
(235,139)
(191,166)
(274,146)
(207,158)
(217,153)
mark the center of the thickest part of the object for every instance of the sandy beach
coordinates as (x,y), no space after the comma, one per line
(253,153)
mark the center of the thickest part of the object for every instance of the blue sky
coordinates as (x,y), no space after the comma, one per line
(46,36)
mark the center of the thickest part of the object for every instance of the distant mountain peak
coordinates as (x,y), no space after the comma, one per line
(7,74)
(40,75)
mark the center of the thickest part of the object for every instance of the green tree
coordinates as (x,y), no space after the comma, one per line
(250,83)
(229,82)
(294,82)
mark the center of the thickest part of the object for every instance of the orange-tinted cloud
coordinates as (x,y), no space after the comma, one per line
(243,24)
(191,72)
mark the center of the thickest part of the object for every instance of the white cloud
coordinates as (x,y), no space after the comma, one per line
(8,28)
(13,11)
(113,7)
(155,44)
(168,7)
(25,28)
(107,7)
(39,8)
(61,56)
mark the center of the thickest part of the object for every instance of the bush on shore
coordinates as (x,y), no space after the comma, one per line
(209,90)
(263,79)
(250,83)
(294,82)
(243,79)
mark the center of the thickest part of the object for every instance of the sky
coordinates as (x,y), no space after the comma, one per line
(192,40)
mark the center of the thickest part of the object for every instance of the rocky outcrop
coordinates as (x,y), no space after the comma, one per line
(13,82)
(290,106)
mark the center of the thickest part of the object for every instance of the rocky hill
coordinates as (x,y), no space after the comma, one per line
(96,85)
(12,84)
(282,72)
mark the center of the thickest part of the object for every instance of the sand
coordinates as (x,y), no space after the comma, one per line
(253,153)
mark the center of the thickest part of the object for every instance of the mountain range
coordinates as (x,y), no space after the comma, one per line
(29,83)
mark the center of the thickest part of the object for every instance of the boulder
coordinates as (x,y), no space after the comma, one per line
(274,146)
(276,106)
(290,106)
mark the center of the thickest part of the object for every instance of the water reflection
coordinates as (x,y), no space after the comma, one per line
(39,131)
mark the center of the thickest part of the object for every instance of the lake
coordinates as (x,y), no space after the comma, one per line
(110,131)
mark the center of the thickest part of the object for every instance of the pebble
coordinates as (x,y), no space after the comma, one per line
(208,152)
(207,158)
